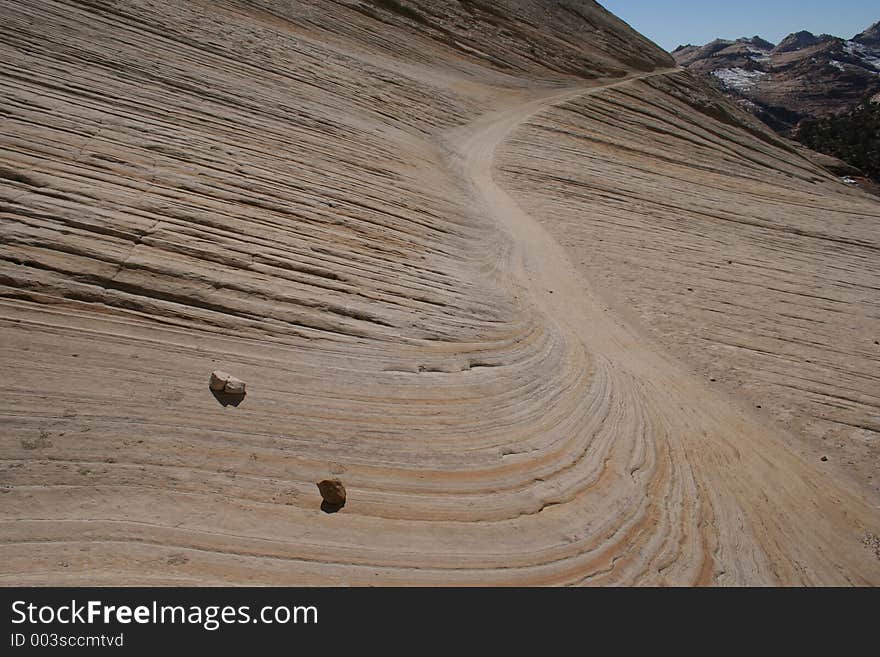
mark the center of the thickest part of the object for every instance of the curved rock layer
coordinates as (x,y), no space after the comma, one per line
(742,258)
(309,197)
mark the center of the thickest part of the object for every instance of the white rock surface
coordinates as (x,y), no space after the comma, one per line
(234,386)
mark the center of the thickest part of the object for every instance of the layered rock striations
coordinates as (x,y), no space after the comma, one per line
(477,260)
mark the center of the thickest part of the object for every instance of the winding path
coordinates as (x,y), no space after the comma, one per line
(738,470)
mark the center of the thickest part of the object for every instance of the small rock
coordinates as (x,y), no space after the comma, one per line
(824,458)
(332,491)
(224,382)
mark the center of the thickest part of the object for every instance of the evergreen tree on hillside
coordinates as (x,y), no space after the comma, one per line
(853,137)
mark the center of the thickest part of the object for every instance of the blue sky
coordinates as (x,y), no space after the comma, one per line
(674,22)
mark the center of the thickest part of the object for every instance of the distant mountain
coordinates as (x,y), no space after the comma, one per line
(804,76)
(800,40)
(870,37)
(720,49)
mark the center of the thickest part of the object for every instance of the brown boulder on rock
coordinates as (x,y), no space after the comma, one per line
(332,491)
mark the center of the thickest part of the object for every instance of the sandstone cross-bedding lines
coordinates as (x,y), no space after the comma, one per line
(447,245)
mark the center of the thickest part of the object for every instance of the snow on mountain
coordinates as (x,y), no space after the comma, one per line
(738,78)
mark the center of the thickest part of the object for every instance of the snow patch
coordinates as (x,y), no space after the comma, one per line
(758,55)
(858,50)
(738,78)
